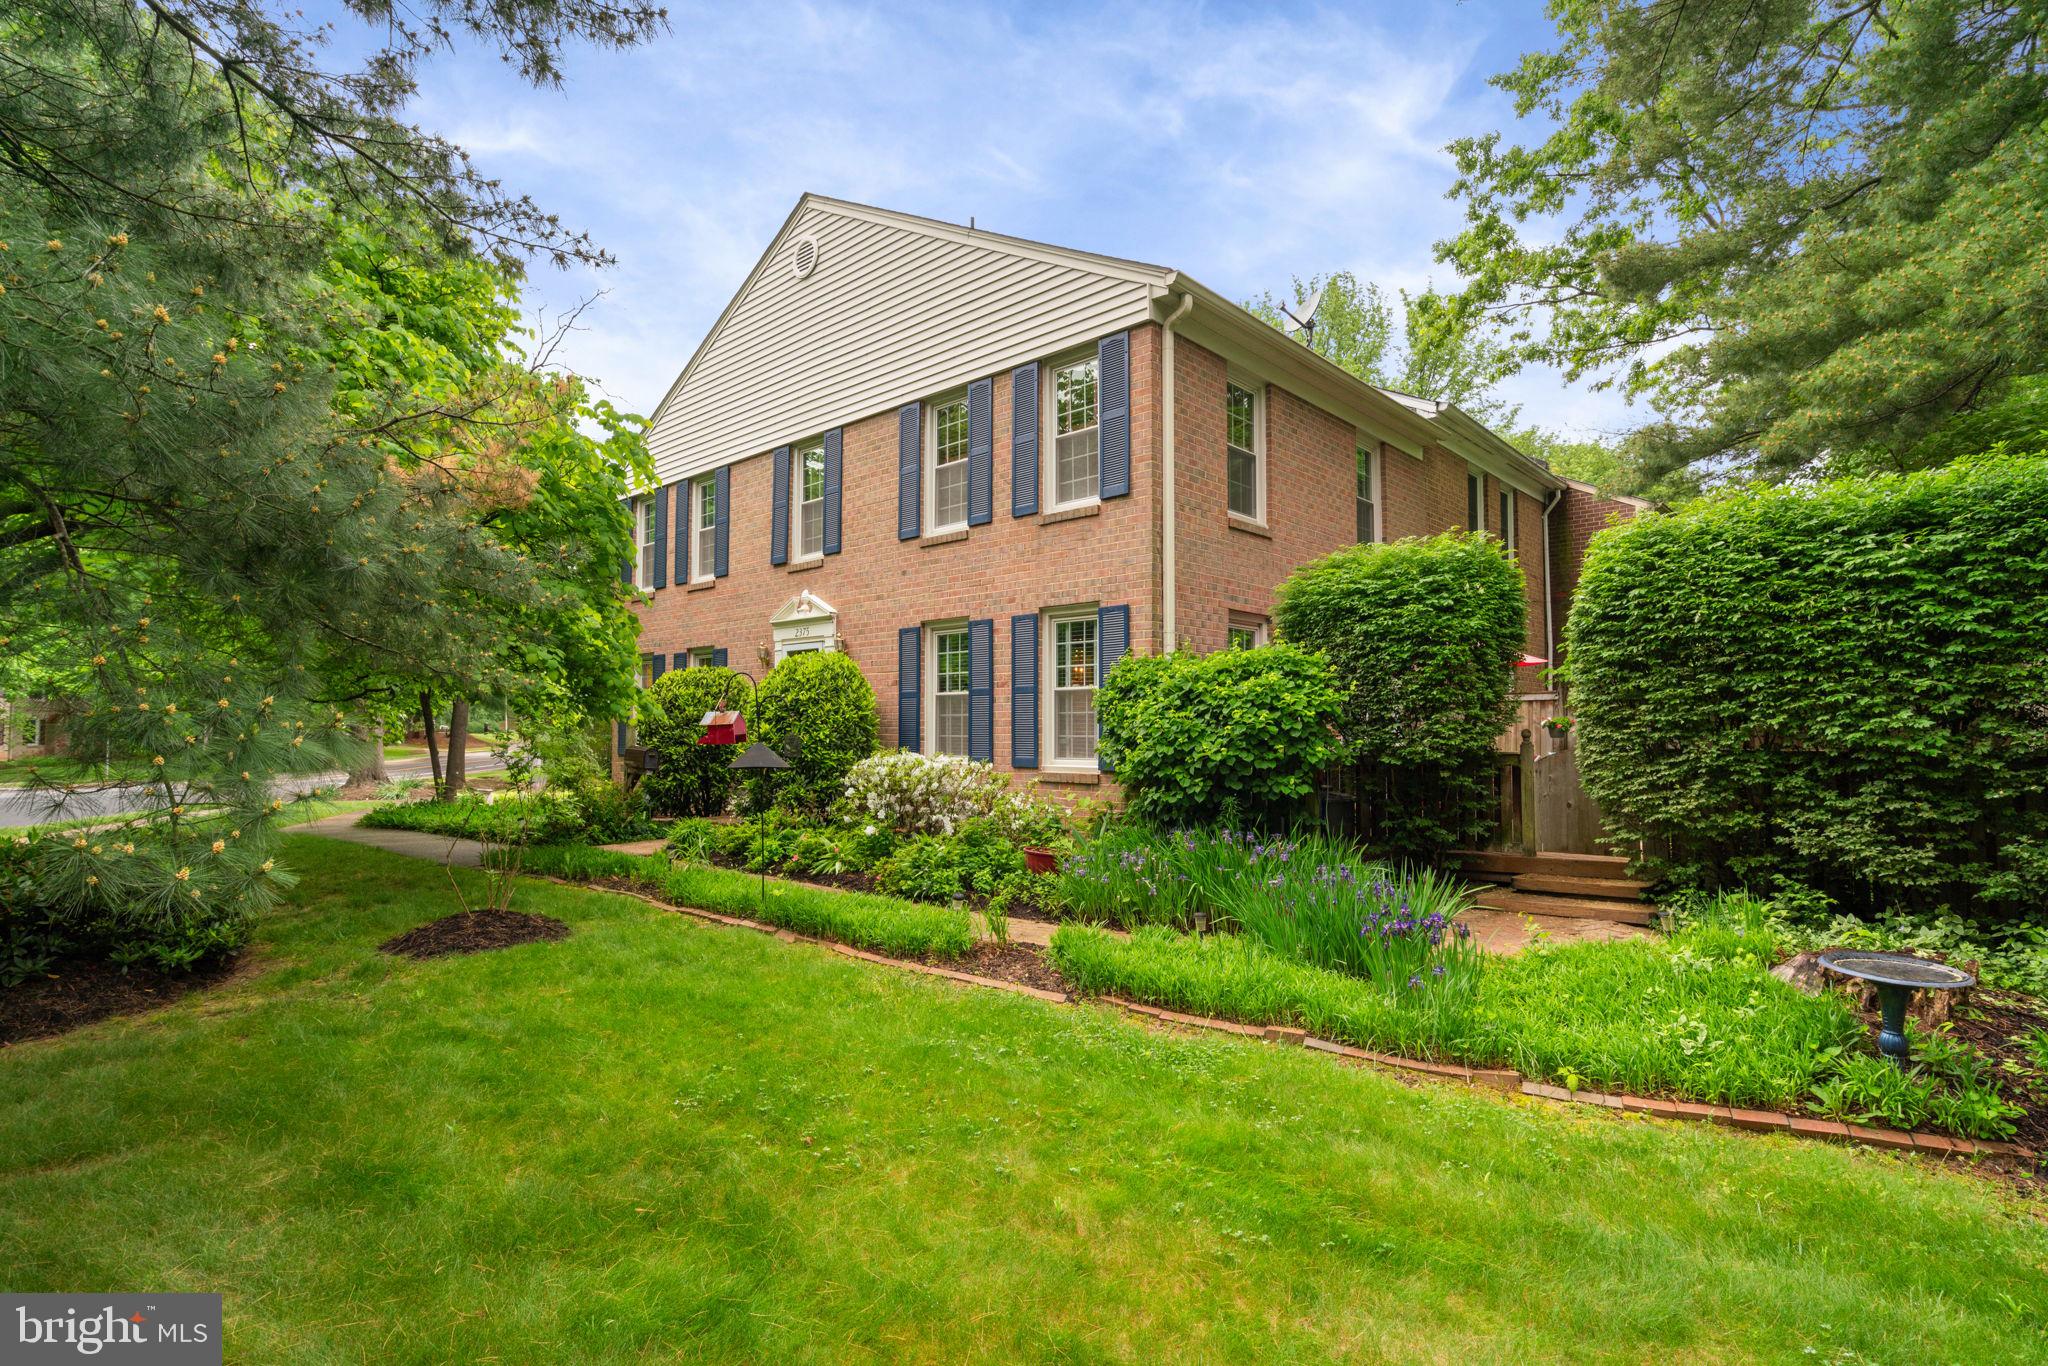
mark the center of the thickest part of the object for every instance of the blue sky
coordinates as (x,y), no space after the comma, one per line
(1240,144)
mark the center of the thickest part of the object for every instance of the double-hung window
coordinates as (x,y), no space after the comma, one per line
(949,463)
(1507,517)
(810,501)
(701,657)
(1368,493)
(1241,421)
(949,653)
(1072,660)
(704,526)
(1475,500)
(643,543)
(1076,443)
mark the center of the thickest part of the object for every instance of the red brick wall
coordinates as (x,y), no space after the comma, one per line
(1224,565)
(879,584)
(1579,517)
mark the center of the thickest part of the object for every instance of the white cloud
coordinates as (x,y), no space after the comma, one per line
(1241,144)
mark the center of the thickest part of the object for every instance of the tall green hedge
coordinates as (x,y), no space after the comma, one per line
(1424,634)
(1844,685)
(818,711)
(1236,736)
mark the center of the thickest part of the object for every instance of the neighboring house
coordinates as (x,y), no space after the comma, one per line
(985,468)
(31,728)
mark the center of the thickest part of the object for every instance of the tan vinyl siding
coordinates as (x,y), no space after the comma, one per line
(894,311)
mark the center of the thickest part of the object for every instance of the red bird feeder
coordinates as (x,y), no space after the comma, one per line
(723,728)
(1531,662)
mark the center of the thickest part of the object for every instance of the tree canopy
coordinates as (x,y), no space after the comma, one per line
(1810,232)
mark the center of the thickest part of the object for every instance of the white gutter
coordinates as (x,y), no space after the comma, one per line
(1167,580)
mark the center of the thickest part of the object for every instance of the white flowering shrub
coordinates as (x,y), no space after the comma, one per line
(921,794)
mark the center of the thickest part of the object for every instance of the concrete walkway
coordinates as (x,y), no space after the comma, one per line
(440,848)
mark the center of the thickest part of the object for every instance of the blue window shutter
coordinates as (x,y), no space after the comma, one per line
(660,665)
(661,537)
(1112,639)
(620,738)
(1024,691)
(981,451)
(686,529)
(981,690)
(718,657)
(909,470)
(721,490)
(1113,411)
(1024,441)
(834,457)
(778,515)
(909,685)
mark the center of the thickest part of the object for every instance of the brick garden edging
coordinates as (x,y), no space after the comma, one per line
(1491,1078)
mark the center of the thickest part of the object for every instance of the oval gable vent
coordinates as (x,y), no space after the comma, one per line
(803,257)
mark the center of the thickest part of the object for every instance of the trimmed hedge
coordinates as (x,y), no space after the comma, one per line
(822,701)
(689,779)
(880,924)
(1423,634)
(1845,686)
(1236,736)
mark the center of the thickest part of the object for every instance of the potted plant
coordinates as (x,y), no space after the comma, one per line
(1041,861)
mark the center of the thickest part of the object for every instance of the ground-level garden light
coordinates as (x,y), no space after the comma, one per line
(1896,976)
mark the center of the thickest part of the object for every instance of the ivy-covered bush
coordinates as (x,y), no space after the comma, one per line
(1843,685)
(690,779)
(823,703)
(1423,634)
(1236,735)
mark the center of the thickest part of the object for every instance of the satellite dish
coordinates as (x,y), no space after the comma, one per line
(1303,316)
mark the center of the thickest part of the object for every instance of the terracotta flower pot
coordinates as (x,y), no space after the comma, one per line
(1041,861)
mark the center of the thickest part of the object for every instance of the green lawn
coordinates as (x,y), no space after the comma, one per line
(62,768)
(666,1140)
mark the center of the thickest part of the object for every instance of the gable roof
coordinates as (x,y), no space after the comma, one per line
(898,306)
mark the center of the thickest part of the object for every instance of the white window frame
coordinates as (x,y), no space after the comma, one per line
(1372,452)
(643,543)
(32,732)
(1507,515)
(1049,689)
(704,542)
(1049,431)
(931,463)
(701,657)
(797,504)
(1256,387)
(1475,498)
(932,631)
(1258,628)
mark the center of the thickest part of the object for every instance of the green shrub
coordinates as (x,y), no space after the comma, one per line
(877,923)
(1235,734)
(1423,635)
(926,868)
(821,701)
(690,779)
(1840,684)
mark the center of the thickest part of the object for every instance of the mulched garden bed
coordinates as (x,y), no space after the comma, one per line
(1019,963)
(1996,1023)
(76,992)
(474,933)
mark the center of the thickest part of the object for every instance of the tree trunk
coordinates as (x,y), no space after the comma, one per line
(369,769)
(433,755)
(458,745)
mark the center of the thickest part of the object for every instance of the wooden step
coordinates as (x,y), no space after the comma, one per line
(1557,865)
(1616,888)
(1566,907)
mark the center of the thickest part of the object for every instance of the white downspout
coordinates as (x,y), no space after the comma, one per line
(1167,582)
(1549,609)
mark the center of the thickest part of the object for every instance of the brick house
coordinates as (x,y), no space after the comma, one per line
(986,467)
